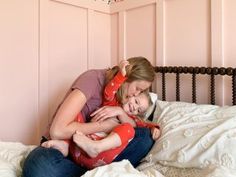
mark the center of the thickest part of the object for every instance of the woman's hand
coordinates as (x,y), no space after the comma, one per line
(122,66)
(156,133)
(106,112)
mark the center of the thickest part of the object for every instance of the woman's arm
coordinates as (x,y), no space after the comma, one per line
(107,112)
(64,124)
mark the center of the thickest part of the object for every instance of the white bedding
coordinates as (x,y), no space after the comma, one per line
(12,156)
(170,171)
(195,135)
(121,169)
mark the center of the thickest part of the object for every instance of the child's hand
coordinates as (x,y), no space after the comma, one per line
(122,65)
(156,133)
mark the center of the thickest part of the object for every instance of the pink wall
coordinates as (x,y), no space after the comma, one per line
(19,70)
(46,44)
(197,33)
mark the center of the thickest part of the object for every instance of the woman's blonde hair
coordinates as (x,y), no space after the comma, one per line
(139,68)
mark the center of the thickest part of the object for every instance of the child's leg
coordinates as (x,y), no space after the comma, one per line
(122,134)
(92,147)
(60,145)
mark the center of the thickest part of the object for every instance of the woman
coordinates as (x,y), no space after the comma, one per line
(84,97)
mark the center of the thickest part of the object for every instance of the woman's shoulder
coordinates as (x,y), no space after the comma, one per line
(91,82)
(91,77)
(92,74)
(96,72)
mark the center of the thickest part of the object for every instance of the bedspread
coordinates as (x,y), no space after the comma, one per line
(12,156)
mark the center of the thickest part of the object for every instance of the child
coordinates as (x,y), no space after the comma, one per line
(134,107)
(100,150)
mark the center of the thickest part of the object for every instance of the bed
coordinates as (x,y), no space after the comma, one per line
(198,140)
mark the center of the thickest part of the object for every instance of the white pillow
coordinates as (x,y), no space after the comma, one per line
(153,96)
(150,110)
(195,135)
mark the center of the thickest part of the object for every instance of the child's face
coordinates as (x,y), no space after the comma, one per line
(136,104)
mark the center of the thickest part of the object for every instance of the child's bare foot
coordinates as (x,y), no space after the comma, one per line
(88,145)
(60,145)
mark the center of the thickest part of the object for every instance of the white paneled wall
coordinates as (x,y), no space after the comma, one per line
(46,44)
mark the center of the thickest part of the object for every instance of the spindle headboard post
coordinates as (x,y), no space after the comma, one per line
(194,71)
(234,86)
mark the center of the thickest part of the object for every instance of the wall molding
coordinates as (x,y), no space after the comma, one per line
(88,4)
(129,4)
(90,51)
(217,33)
(217,42)
(107,8)
(43,65)
(160,33)
(122,35)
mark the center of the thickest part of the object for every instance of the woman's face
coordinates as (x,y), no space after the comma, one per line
(135,88)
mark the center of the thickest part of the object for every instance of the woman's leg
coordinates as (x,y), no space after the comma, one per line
(138,147)
(49,162)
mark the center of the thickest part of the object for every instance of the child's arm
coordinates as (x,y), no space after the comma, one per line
(141,123)
(154,127)
(112,87)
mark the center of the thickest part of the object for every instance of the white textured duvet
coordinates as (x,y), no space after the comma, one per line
(195,135)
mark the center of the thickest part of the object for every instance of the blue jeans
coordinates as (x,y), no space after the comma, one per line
(49,162)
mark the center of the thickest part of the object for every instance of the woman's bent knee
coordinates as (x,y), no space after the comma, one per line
(49,162)
(39,162)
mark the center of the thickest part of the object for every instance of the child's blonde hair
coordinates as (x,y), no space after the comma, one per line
(146,93)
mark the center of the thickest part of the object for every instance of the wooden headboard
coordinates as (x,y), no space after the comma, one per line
(194,71)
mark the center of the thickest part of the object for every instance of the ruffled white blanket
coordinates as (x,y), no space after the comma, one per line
(121,169)
(12,156)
